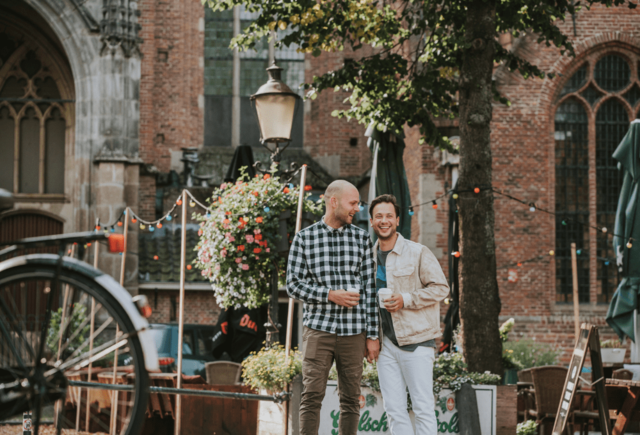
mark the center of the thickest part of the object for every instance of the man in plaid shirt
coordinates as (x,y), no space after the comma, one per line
(332,270)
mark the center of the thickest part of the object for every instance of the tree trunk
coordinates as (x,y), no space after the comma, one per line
(479,297)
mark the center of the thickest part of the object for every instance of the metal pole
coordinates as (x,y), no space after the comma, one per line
(576,301)
(91,331)
(287,346)
(114,407)
(183,255)
(303,179)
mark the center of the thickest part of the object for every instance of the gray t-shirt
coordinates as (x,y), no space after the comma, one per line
(385,316)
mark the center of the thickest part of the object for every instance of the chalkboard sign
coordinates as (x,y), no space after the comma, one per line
(588,339)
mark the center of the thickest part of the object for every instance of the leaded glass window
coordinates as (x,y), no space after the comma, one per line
(595,107)
(572,198)
(218,79)
(34,119)
(612,123)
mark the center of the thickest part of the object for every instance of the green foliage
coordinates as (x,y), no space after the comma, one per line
(611,344)
(412,74)
(75,331)
(266,369)
(237,239)
(450,371)
(509,360)
(528,427)
(531,354)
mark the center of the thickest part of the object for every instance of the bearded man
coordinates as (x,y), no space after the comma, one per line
(332,270)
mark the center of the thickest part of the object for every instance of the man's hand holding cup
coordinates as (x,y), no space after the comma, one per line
(345,298)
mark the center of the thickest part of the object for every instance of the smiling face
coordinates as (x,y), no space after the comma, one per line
(345,205)
(384,220)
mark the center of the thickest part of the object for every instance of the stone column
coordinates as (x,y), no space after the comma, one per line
(117,187)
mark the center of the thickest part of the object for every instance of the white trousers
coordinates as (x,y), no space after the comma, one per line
(399,369)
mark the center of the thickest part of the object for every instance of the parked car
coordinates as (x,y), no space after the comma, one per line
(196,347)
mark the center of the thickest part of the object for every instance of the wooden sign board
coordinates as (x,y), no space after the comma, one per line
(588,339)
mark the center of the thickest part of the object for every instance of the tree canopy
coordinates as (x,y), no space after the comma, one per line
(411,74)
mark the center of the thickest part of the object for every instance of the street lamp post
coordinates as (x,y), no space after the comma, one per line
(275,105)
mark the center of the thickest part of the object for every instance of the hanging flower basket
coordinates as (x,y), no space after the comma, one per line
(240,237)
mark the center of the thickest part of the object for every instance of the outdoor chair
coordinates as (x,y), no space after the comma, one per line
(548,383)
(223,372)
(622,374)
(526,397)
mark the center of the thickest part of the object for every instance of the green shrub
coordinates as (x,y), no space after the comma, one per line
(528,427)
(266,369)
(531,354)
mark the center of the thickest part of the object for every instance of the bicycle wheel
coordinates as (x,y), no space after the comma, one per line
(37,374)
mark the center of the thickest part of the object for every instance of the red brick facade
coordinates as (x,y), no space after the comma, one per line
(172,81)
(339,145)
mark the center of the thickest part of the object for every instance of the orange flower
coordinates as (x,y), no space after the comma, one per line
(286,190)
(259,219)
(308,187)
(266,176)
(258,237)
(228,213)
(226,221)
(256,193)
(241,248)
(257,250)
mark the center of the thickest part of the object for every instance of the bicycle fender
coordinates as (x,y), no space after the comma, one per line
(121,295)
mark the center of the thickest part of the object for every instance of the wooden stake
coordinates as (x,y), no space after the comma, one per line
(183,260)
(287,346)
(576,300)
(62,328)
(91,331)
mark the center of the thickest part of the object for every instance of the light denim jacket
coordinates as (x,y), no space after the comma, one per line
(414,272)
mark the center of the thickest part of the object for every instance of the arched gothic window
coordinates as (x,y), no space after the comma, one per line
(36,113)
(593,113)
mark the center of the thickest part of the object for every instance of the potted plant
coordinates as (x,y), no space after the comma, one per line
(510,361)
(267,372)
(612,351)
(239,237)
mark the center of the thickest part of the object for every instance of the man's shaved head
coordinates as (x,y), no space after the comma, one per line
(336,189)
(342,200)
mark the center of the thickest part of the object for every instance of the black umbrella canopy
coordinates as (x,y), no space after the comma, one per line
(626,241)
(242,157)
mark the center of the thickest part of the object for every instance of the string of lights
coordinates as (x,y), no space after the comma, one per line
(151,225)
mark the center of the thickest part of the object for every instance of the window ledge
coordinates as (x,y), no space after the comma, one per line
(40,197)
(591,308)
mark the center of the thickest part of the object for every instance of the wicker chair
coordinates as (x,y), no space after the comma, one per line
(547,384)
(622,374)
(526,397)
(223,372)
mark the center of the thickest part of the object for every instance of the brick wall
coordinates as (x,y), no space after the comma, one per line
(200,306)
(171,85)
(329,139)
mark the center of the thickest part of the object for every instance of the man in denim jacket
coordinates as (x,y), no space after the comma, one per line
(410,321)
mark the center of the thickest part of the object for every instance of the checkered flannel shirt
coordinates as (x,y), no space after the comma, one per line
(322,259)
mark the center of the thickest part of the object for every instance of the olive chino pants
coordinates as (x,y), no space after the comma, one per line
(320,350)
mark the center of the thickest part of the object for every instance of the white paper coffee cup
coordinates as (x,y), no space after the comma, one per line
(383,294)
